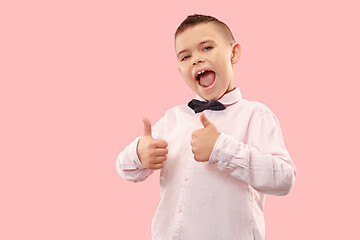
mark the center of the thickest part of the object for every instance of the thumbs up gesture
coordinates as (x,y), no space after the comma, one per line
(151,152)
(204,139)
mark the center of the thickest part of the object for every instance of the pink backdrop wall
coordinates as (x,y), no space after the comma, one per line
(69,71)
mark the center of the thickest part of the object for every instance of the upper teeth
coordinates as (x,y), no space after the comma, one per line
(201,72)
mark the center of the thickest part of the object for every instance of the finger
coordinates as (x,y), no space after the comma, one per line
(147,127)
(157,166)
(160,143)
(160,159)
(193,150)
(204,121)
(161,151)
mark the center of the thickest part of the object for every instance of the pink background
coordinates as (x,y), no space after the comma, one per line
(70,70)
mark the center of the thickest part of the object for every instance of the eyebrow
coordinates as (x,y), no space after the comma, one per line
(201,43)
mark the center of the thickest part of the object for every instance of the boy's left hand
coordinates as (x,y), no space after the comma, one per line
(204,139)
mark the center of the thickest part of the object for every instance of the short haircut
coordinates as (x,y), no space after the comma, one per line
(196,19)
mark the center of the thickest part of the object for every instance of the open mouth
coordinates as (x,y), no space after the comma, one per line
(205,78)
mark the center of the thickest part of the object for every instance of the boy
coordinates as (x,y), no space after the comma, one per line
(215,168)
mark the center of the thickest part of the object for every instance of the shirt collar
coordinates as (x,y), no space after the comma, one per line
(227,99)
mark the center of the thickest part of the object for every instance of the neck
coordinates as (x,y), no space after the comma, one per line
(230,89)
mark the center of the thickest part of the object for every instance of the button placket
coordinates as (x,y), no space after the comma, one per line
(183,192)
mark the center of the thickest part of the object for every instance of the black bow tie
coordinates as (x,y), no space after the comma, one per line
(199,106)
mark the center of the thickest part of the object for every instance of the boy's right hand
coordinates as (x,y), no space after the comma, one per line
(151,152)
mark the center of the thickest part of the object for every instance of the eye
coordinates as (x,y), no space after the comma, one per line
(185,57)
(207,48)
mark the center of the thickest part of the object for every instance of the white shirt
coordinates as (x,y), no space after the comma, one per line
(223,198)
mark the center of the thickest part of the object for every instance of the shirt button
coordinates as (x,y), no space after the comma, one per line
(186,178)
(180,210)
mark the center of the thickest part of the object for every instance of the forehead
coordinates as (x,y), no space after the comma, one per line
(196,34)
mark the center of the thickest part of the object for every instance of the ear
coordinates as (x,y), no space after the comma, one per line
(236,53)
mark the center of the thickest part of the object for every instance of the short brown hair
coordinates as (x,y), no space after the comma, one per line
(195,19)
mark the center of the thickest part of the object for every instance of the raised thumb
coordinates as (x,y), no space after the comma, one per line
(204,121)
(147,127)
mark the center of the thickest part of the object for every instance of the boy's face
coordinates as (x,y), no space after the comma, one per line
(204,47)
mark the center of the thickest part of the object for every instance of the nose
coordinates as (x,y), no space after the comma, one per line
(197,62)
(197,59)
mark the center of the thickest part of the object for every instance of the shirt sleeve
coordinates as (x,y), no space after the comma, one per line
(264,163)
(128,164)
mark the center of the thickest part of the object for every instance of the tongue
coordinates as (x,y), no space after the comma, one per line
(207,78)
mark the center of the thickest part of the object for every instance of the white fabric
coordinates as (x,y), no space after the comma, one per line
(223,198)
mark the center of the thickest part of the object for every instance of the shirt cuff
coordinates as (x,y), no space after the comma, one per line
(225,150)
(134,161)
